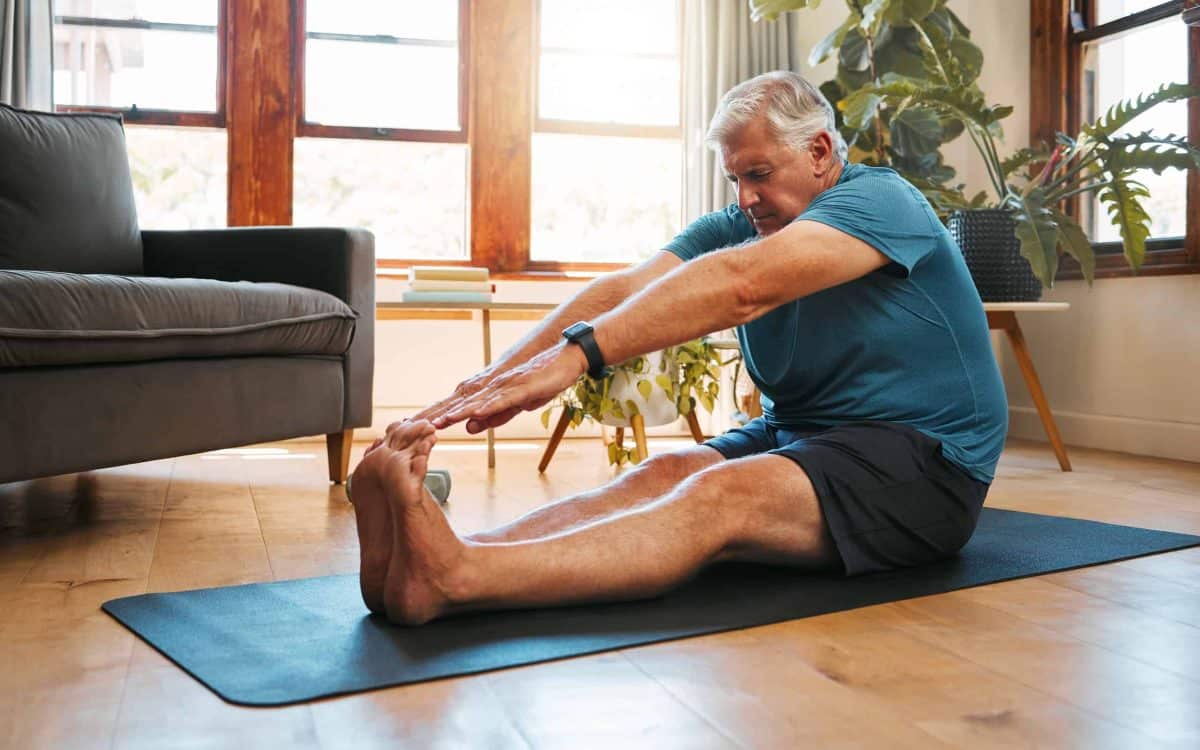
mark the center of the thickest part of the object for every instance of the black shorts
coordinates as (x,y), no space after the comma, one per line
(889,496)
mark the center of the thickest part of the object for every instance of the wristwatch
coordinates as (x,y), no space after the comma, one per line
(581,333)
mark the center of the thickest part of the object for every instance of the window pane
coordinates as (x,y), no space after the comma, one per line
(600,198)
(177,11)
(615,61)
(413,196)
(179,176)
(608,88)
(1124,67)
(410,19)
(626,26)
(421,90)
(122,67)
(1111,10)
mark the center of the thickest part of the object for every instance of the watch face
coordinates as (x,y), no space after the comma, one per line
(576,329)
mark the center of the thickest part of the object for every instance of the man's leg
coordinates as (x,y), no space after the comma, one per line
(644,483)
(649,480)
(761,508)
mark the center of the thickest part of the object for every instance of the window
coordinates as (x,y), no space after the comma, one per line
(382,125)
(160,65)
(1087,56)
(607,143)
(533,138)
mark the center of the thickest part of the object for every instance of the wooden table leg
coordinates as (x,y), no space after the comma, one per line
(694,426)
(487,360)
(555,439)
(639,436)
(1007,322)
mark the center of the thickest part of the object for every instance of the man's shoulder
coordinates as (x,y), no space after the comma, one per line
(882,189)
(861,177)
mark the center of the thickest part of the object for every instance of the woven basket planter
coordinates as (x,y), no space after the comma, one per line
(990,246)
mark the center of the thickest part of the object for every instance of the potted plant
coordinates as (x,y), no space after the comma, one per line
(1023,217)
(658,388)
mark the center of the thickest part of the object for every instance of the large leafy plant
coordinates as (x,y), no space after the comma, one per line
(879,41)
(689,375)
(1033,183)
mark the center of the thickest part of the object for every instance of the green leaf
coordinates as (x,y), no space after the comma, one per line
(1076,244)
(1121,198)
(769,10)
(1158,158)
(853,54)
(1121,113)
(904,12)
(546,419)
(612,454)
(633,408)
(1038,235)
(915,132)
(968,56)
(898,52)
(872,16)
(832,41)
(645,388)
(859,107)
(1022,158)
(664,382)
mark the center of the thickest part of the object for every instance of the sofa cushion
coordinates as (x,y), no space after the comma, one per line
(66,197)
(72,319)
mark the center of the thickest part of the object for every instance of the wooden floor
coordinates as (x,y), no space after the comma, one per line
(1101,657)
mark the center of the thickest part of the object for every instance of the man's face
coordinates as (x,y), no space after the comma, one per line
(774,182)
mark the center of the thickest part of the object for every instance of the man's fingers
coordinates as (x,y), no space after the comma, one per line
(475,426)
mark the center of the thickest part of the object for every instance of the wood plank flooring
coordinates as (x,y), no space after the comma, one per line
(1102,657)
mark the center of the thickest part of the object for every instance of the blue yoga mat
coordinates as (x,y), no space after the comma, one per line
(272,644)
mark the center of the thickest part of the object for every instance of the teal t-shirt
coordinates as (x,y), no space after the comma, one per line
(907,343)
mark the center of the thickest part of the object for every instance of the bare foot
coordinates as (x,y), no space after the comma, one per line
(427,562)
(374,519)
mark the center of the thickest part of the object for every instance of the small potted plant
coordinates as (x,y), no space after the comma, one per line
(657,389)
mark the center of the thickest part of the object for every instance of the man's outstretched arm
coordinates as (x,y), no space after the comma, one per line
(727,288)
(595,299)
(720,290)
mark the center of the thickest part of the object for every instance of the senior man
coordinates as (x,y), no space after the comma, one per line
(883,409)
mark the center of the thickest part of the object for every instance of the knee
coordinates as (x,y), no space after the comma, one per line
(677,466)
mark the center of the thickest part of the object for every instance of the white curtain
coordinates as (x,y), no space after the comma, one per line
(722,48)
(27,53)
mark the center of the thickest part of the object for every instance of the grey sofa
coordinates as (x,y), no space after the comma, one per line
(119,345)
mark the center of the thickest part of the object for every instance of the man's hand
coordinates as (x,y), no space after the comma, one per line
(523,388)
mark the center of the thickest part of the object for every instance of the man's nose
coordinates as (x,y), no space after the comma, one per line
(747,196)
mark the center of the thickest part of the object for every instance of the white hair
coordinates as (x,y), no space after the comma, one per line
(796,111)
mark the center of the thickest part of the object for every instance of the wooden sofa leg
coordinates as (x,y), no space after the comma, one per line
(337,445)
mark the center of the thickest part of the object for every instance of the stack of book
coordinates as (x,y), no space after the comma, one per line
(448,284)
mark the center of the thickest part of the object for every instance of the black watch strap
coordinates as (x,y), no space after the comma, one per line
(581,333)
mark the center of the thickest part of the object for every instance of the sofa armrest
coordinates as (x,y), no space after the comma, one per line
(340,262)
(331,260)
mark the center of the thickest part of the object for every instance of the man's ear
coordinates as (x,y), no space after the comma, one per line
(823,154)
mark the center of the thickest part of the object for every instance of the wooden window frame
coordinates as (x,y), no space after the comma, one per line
(260,90)
(143,116)
(1058,31)
(308,129)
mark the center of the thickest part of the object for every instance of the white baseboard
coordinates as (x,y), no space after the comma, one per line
(1143,437)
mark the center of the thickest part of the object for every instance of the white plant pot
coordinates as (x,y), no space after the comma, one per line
(658,409)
